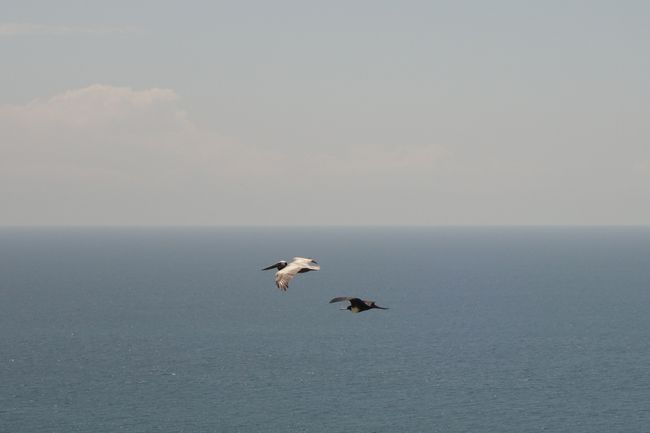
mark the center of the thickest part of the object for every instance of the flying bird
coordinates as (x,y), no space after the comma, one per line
(286,271)
(357,305)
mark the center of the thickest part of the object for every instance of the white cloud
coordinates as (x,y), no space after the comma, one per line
(17,29)
(119,150)
(99,126)
(115,155)
(113,128)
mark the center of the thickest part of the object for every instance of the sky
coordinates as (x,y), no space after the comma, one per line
(154,113)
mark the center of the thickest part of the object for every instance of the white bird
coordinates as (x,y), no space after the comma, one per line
(286,271)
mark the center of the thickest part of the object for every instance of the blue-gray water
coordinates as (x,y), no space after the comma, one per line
(177,330)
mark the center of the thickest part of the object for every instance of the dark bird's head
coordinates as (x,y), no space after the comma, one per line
(279,265)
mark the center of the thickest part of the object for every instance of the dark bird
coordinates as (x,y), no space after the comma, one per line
(357,305)
(286,271)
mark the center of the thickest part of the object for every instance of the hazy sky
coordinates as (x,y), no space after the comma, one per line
(329,112)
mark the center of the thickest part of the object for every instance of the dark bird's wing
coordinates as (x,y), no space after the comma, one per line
(354,302)
(360,303)
(341,299)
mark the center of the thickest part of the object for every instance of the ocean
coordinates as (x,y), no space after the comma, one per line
(490,329)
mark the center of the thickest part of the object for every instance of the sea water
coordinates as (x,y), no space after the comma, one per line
(520,329)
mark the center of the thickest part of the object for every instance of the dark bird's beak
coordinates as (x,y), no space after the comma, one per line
(271,267)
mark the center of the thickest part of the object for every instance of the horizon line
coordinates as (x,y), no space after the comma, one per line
(289,226)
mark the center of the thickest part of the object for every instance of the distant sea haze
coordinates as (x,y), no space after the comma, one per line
(490,330)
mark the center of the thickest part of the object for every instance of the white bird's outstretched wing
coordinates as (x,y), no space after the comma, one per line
(306,263)
(282,277)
